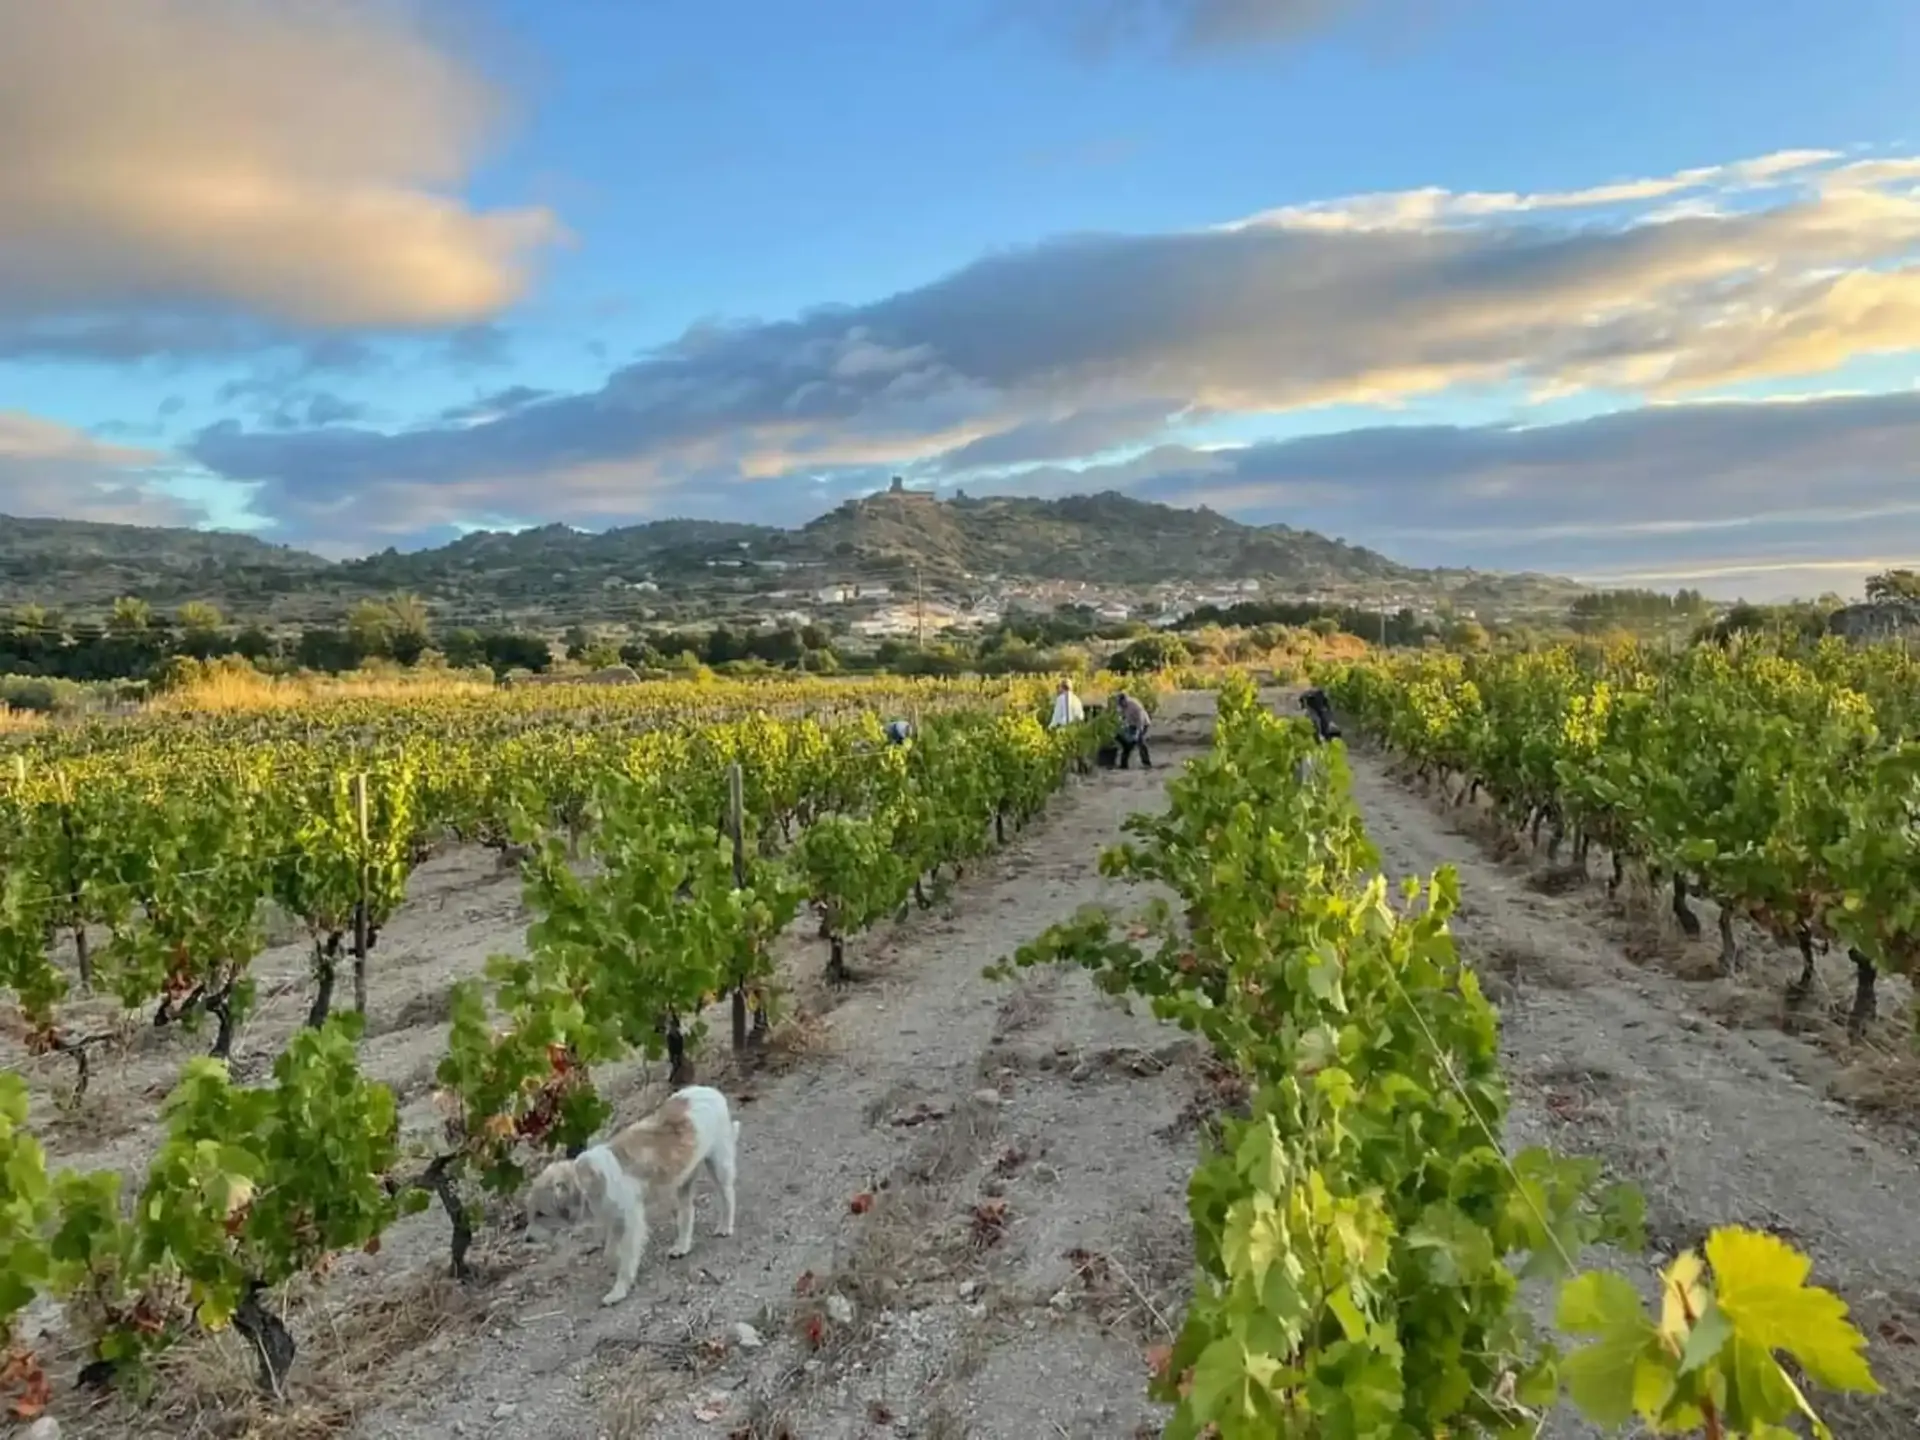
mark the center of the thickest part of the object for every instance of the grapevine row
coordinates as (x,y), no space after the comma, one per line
(1361,1234)
(657,887)
(1782,788)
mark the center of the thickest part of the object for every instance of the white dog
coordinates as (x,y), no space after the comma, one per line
(660,1153)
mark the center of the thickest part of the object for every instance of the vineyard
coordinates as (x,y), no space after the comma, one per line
(667,839)
(299,997)
(1360,1231)
(1782,789)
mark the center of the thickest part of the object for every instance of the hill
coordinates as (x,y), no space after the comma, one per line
(80,565)
(1106,538)
(685,568)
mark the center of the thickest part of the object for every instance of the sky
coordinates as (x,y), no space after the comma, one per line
(1628,292)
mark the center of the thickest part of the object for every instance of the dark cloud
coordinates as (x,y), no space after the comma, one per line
(1201,24)
(1680,491)
(488,407)
(477,347)
(123,340)
(1189,29)
(324,408)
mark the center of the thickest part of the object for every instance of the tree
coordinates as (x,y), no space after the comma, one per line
(327,650)
(130,616)
(464,648)
(410,627)
(36,619)
(1894,585)
(370,629)
(1149,653)
(506,651)
(1466,634)
(198,617)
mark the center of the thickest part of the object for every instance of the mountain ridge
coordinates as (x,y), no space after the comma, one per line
(956,544)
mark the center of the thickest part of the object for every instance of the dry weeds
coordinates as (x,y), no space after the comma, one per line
(357,1352)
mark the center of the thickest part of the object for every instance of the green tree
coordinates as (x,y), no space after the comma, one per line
(410,627)
(1894,585)
(131,615)
(1467,635)
(464,648)
(198,617)
(36,619)
(370,629)
(1150,653)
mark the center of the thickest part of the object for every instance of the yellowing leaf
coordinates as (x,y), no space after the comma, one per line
(1761,1284)
(1683,1298)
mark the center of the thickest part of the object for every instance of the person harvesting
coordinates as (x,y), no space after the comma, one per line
(1134,725)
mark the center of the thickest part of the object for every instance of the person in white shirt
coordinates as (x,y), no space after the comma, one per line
(1067,709)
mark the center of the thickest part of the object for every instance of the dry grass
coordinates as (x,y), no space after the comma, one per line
(14,721)
(799,1039)
(356,1354)
(652,1373)
(229,691)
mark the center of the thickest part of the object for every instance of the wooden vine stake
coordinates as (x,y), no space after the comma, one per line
(360,911)
(737,831)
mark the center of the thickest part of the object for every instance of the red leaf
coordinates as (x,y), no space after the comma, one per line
(861,1203)
(22,1369)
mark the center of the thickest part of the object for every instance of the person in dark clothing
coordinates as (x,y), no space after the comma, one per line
(1316,704)
(1134,724)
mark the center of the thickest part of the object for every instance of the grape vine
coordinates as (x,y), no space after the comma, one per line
(1360,1232)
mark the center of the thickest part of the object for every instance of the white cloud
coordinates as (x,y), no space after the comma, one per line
(292,162)
(48,469)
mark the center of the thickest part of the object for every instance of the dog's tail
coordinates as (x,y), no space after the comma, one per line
(736,1132)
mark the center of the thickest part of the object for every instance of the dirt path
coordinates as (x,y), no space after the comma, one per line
(1026,1145)
(1718,1125)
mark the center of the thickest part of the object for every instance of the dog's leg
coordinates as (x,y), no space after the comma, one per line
(722,1166)
(683,1219)
(633,1244)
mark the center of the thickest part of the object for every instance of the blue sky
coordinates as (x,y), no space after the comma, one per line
(1473,281)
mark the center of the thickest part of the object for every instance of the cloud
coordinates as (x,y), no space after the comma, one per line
(1088,343)
(492,407)
(48,469)
(197,174)
(1099,27)
(1752,496)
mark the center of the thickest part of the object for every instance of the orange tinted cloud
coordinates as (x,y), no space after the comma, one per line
(296,161)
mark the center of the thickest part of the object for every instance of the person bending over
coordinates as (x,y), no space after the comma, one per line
(1316,704)
(1134,725)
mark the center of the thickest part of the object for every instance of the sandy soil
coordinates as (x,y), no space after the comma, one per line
(1026,1146)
